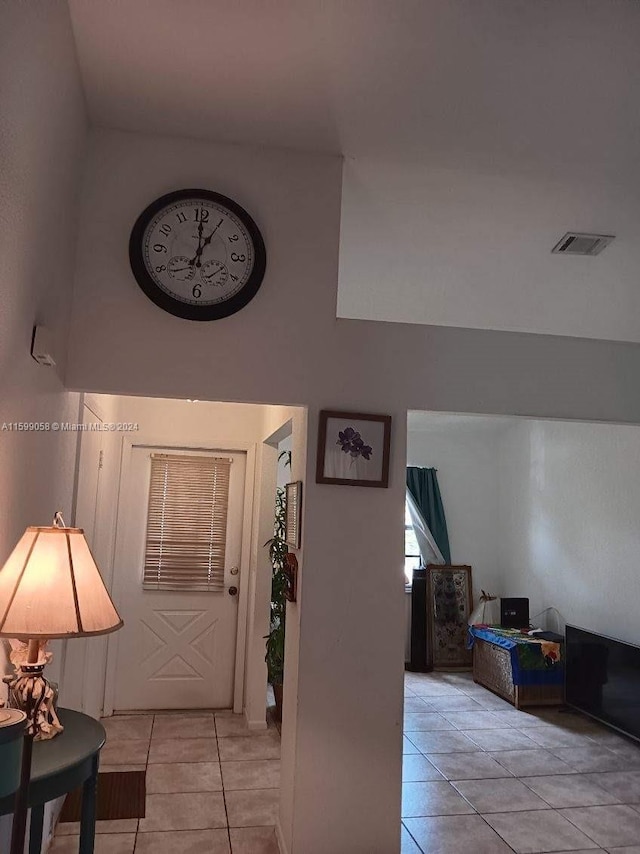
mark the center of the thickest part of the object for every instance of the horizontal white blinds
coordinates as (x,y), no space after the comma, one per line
(187,523)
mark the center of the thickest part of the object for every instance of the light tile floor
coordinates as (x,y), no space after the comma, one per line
(480,777)
(212,786)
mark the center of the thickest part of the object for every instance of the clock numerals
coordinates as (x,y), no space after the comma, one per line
(158,247)
(235,278)
(181,216)
(233,238)
(161,268)
(238,258)
(202,214)
(165,229)
(197,292)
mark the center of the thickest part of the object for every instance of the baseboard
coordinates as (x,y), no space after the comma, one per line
(254,726)
(280,837)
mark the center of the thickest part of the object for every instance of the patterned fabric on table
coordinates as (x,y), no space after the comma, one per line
(533,661)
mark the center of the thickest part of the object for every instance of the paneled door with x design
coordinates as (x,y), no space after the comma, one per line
(177,647)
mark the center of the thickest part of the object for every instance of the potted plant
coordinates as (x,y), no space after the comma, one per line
(278,550)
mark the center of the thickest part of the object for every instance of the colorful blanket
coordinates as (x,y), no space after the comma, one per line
(533,661)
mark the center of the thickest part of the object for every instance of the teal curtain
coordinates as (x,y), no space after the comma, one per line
(422,483)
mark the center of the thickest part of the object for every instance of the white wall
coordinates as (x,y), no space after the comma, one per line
(288,427)
(341,783)
(42,135)
(542,509)
(286,345)
(263,354)
(466,457)
(255,684)
(469,246)
(284,469)
(175,421)
(95,510)
(569,508)
(466,453)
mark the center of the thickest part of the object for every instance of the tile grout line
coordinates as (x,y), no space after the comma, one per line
(585,832)
(411,835)
(224,795)
(499,834)
(146,768)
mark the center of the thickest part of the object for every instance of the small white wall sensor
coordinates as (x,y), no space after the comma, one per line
(42,346)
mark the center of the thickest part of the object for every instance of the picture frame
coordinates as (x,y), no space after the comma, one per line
(293,514)
(353,449)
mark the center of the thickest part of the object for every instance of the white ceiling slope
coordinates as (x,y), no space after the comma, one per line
(528,78)
(476,132)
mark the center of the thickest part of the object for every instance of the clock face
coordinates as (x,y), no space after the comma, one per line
(197,254)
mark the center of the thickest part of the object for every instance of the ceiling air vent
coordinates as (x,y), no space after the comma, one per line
(574,243)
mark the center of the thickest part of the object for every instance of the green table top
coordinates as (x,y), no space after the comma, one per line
(62,763)
(82,738)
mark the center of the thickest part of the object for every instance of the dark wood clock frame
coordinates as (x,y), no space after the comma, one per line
(173,306)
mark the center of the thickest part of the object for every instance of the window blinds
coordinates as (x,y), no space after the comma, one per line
(187,523)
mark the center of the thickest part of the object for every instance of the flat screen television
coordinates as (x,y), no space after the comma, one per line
(603,679)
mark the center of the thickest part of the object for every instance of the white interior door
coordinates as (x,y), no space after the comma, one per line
(177,649)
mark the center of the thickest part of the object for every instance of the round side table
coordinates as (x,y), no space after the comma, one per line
(59,766)
(12,729)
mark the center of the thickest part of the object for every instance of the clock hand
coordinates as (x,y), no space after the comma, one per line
(206,242)
(199,249)
(208,239)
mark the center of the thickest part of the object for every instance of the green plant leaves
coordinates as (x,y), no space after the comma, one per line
(278,550)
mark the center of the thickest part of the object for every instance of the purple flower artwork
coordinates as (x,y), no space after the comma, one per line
(353,449)
(352,443)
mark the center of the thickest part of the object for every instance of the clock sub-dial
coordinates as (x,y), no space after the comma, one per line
(214,273)
(180,268)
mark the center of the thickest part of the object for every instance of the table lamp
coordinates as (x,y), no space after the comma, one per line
(50,587)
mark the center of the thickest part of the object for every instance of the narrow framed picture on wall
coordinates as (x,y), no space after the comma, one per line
(353,449)
(293,514)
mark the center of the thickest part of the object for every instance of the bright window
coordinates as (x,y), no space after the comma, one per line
(412,558)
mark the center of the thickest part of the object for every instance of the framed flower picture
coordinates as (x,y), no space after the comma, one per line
(353,449)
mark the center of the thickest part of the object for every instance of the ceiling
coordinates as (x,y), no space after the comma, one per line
(519,80)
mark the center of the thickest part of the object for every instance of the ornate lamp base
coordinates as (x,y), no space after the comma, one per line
(30,692)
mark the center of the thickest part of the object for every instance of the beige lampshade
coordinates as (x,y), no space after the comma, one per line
(50,587)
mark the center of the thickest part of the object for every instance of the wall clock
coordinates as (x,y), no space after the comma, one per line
(197,254)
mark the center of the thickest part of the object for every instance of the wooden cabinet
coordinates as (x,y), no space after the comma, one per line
(449,603)
(492,669)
